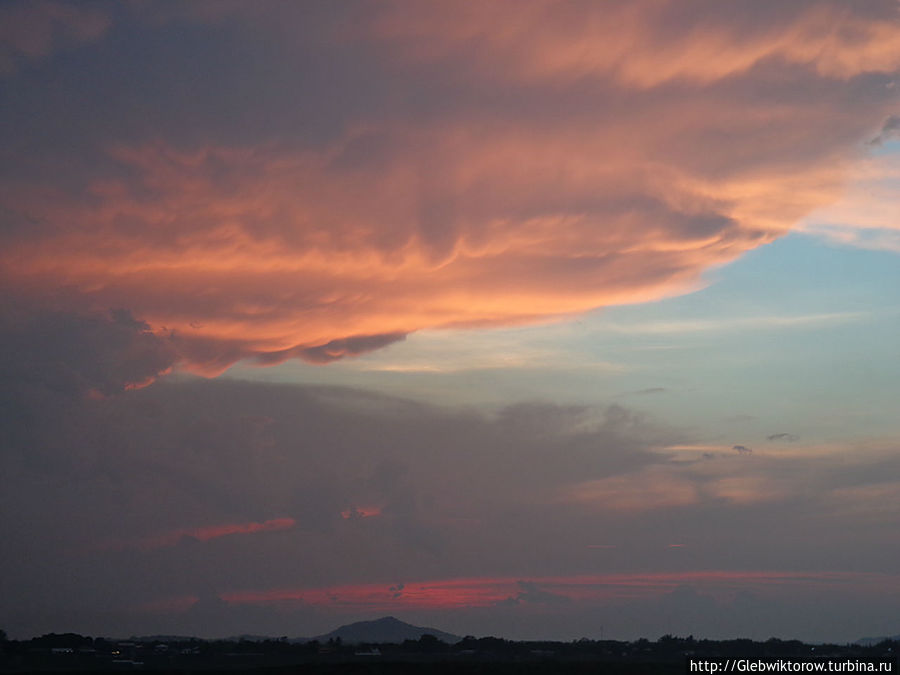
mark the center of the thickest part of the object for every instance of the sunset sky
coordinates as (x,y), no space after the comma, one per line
(531,318)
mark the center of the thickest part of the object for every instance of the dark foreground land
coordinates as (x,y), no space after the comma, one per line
(75,653)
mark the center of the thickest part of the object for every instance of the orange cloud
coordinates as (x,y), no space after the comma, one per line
(867,214)
(644,43)
(677,140)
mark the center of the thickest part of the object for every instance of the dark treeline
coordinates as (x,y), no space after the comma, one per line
(167,654)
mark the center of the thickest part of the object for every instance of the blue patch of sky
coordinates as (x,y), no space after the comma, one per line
(798,336)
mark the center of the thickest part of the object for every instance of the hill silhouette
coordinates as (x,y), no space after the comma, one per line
(387,629)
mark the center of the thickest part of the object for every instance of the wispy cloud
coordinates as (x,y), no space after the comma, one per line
(206,533)
(650,390)
(784,437)
(867,213)
(647,490)
(889,131)
(738,323)
(454,351)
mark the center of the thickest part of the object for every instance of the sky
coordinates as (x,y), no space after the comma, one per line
(543,319)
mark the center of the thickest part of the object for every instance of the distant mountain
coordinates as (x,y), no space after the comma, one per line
(386,629)
(869,641)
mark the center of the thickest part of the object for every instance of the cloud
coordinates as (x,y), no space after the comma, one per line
(788,438)
(644,44)
(317,182)
(208,533)
(889,130)
(642,491)
(333,350)
(866,215)
(235,490)
(416,175)
(358,513)
(742,490)
(81,352)
(742,324)
(532,593)
(742,449)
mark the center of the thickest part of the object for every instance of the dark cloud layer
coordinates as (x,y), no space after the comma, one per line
(81,353)
(172,507)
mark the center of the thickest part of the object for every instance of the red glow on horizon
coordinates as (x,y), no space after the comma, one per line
(489,591)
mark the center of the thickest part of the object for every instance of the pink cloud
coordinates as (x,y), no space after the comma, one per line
(173,537)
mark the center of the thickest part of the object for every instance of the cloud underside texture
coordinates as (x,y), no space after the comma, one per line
(338,177)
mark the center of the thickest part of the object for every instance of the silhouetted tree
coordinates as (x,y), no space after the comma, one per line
(429,643)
